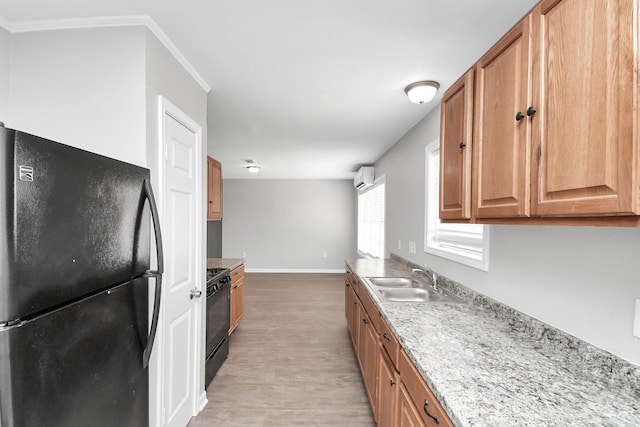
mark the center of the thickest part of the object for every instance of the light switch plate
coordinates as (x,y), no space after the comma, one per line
(636,320)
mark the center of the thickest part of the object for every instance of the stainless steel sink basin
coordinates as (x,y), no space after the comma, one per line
(413,295)
(394,282)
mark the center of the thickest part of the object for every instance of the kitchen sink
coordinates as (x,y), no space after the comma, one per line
(406,289)
(413,295)
(394,282)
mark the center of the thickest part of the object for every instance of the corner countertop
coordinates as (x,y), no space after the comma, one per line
(486,371)
(230,263)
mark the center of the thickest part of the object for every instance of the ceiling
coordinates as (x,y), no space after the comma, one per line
(308,89)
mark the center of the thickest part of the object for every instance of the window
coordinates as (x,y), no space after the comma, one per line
(371,220)
(464,243)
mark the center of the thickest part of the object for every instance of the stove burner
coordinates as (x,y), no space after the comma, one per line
(214,272)
(217,278)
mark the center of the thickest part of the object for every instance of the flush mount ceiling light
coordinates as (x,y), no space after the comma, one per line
(421,92)
(252,166)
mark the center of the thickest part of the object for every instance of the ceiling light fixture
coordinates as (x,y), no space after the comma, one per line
(421,92)
(252,166)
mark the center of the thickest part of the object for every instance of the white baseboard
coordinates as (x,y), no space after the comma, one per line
(203,402)
(293,270)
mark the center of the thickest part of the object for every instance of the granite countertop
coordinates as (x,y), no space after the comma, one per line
(488,371)
(230,263)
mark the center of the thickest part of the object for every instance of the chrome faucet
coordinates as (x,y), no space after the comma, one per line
(433,277)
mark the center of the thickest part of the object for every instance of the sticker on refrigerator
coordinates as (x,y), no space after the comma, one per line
(26,173)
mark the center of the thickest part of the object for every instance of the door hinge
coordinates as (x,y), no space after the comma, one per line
(539,151)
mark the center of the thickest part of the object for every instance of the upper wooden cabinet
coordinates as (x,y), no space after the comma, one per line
(502,141)
(555,119)
(583,89)
(214,189)
(456,148)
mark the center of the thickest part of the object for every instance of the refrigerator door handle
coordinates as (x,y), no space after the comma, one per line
(157,274)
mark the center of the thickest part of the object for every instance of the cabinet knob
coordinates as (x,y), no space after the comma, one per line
(462,145)
(531,111)
(365,321)
(519,116)
(392,383)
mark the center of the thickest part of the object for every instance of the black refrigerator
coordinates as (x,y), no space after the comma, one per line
(76,232)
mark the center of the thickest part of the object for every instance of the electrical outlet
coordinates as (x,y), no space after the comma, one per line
(244,254)
(399,244)
(412,247)
(636,320)
(324,254)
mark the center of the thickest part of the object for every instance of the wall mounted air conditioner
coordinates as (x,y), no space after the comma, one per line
(363,178)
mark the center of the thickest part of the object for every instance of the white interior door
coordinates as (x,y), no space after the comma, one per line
(182,206)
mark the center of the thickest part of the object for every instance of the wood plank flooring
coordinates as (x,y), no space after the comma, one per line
(290,362)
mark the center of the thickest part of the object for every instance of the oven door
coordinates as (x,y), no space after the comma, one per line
(218,318)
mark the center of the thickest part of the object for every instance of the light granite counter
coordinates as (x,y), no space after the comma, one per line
(230,263)
(490,365)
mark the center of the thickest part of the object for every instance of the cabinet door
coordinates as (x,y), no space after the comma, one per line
(214,189)
(355,329)
(583,93)
(233,308)
(369,358)
(408,415)
(237,304)
(387,390)
(502,141)
(456,132)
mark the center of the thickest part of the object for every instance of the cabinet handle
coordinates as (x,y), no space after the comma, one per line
(426,411)
(385,336)
(519,116)
(462,145)
(531,111)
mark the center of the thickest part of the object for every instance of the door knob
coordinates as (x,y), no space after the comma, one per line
(195,293)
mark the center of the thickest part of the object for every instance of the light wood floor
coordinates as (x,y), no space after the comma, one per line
(290,362)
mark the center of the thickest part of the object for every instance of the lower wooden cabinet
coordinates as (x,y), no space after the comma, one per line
(370,354)
(388,379)
(237,297)
(430,410)
(397,392)
(408,415)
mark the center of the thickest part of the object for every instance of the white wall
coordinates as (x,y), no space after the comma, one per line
(82,87)
(583,280)
(286,225)
(5,72)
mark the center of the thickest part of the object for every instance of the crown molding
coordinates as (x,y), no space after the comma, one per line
(108,21)
(5,24)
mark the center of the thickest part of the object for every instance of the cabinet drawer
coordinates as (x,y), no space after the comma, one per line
(389,342)
(430,410)
(237,273)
